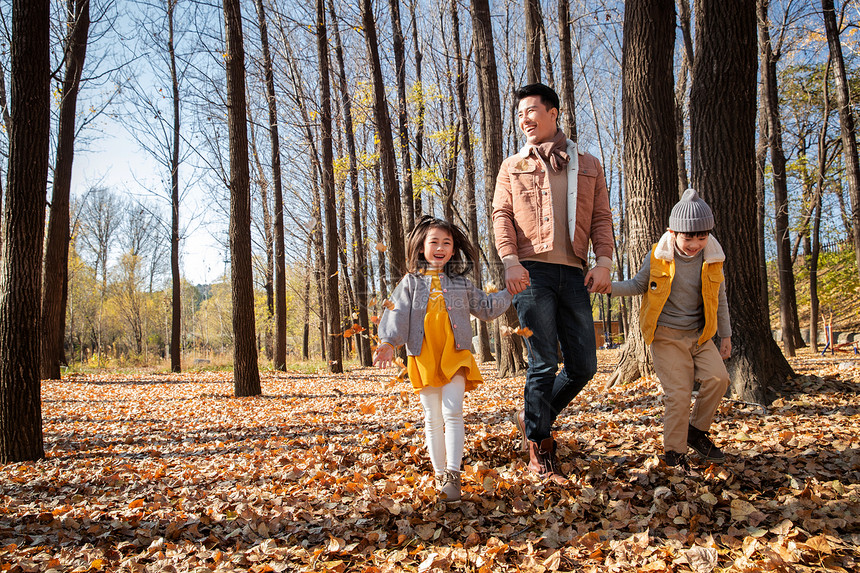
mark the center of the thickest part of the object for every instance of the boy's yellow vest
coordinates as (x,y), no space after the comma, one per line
(660,285)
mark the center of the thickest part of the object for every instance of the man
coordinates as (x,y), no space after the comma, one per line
(550,202)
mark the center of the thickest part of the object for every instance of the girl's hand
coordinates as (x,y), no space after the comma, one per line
(516,279)
(384,355)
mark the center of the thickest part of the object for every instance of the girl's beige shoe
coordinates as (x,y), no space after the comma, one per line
(450,486)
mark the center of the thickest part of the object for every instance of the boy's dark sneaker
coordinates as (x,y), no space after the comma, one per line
(702,444)
(676,460)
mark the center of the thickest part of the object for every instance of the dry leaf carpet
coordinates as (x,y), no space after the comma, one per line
(160,473)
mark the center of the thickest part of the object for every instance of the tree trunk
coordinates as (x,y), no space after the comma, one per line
(6,122)
(306,325)
(813,263)
(335,337)
(681,94)
(450,152)
(648,104)
(722,145)
(680,145)
(761,200)
(176,287)
(816,219)
(268,240)
(381,226)
(280,350)
(319,257)
(568,98)
(396,252)
(787,294)
(484,352)
(846,120)
(532,31)
(246,374)
(348,303)
(509,352)
(23,228)
(544,39)
(419,120)
(360,274)
(315,233)
(57,242)
(402,120)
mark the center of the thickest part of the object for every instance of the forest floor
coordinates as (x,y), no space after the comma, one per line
(170,472)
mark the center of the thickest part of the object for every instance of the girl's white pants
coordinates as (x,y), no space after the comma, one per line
(443,423)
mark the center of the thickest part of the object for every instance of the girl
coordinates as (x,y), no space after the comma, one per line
(430,315)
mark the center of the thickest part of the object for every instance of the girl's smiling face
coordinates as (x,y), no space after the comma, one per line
(438,247)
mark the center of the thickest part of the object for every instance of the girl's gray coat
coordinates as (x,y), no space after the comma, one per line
(404,324)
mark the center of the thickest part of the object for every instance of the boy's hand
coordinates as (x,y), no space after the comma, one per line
(598,280)
(384,355)
(725,348)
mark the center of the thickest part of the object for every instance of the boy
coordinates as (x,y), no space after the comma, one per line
(683,307)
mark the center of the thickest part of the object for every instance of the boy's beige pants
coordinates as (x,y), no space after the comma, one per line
(678,362)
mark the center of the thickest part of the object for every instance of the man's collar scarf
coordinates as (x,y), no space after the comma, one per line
(554,152)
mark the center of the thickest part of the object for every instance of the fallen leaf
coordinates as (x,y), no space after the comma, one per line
(702,559)
(741,509)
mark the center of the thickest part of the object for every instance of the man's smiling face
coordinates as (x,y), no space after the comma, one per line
(536,121)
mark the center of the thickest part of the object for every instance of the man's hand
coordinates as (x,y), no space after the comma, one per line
(725,348)
(384,355)
(516,279)
(598,280)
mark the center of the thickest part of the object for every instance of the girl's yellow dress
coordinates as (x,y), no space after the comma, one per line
(439,359)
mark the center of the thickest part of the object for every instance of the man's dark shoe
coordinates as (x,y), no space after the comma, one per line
(542,460)
(676,460)
(702,444)
(519,419)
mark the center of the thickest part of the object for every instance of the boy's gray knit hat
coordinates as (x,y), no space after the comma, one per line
(691,214)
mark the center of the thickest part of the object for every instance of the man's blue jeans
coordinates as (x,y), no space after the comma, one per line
(557,308)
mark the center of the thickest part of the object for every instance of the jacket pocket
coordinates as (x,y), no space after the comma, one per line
(715,274)
(658,282)
(525,199)
(712,280)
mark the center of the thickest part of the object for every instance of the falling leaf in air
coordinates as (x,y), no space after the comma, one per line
(388,304)
(380,246)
